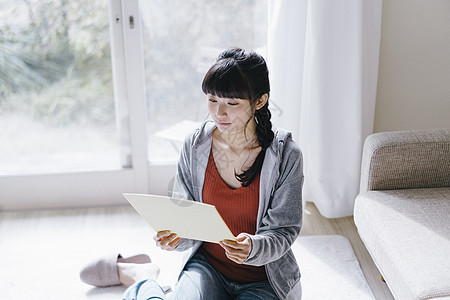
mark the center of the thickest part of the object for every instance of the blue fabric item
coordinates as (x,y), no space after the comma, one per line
(144,290)
(199,280)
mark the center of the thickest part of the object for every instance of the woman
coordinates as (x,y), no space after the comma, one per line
(253,175)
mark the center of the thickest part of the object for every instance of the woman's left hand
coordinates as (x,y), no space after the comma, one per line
(238,250)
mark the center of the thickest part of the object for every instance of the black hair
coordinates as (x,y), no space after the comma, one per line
(242,74)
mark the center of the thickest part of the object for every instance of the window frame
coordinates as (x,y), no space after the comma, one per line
(94,188)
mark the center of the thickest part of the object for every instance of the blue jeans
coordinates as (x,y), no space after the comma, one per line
(199,280)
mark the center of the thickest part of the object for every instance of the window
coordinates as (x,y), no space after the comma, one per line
(57,110)
(97,96)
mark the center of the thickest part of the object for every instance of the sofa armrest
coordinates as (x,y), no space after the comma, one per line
(406,159)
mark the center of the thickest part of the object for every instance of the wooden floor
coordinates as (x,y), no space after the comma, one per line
(315,224)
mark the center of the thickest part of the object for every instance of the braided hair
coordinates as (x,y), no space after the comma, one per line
(242,74)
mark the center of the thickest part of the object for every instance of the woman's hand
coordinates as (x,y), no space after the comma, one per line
(238,250)
(166,240)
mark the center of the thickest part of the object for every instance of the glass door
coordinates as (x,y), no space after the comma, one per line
(57,110)
(65,116)
(96,97)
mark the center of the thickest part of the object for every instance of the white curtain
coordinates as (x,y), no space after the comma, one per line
(323,63)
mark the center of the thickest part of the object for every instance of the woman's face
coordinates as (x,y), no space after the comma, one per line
(230,115)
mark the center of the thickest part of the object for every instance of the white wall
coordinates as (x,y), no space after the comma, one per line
(414,72)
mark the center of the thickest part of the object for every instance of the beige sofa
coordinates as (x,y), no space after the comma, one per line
(403,210)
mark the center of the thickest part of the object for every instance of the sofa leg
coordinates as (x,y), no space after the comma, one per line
(382,278)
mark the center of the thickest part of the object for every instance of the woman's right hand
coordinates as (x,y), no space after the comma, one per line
(167,240)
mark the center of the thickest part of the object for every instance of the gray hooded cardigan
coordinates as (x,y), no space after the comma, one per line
(280,206)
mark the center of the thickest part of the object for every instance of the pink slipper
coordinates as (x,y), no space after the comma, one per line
(102,272)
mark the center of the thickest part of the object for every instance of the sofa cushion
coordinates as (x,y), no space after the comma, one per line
(407,233)
(406,160)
